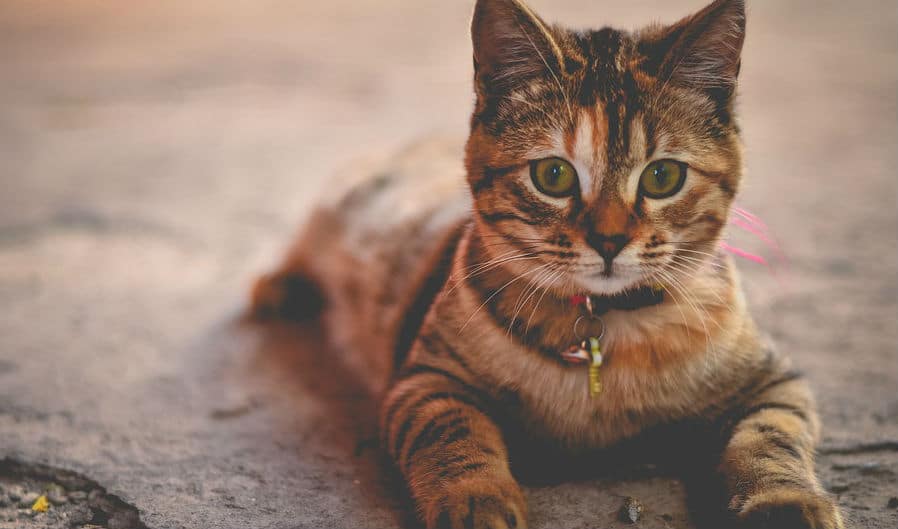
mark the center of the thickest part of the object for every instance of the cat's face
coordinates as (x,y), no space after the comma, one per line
(609,159)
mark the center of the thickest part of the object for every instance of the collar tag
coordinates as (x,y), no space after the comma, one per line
(589,351)
(595,354)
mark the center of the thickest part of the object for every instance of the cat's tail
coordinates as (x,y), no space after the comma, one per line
(285,294)
(292,290)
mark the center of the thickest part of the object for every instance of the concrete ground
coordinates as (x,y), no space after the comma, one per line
(155,156)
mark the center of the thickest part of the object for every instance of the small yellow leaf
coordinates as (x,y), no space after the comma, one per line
(41,504)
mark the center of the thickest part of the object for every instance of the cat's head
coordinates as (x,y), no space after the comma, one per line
(610,157)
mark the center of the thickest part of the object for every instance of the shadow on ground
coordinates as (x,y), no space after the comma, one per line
(294,362)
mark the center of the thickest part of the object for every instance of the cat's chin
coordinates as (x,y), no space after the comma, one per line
(606,286)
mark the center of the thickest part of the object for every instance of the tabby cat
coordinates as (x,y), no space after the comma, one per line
(564,289)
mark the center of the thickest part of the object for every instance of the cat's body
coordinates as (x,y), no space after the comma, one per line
(494,267)
(375,248)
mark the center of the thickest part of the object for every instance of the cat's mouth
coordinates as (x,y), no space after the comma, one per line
(613,279)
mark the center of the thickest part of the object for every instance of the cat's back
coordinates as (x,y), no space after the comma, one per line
(380,242)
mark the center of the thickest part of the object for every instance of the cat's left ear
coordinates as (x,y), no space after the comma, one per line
(701,51)
(511,46)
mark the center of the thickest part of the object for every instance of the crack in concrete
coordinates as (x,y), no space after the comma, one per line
(98,508)
(861,448)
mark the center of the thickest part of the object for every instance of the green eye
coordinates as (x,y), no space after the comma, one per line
(554,177)
(662,179)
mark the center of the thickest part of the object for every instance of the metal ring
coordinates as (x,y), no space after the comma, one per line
(576,323)
(596,318)
(602,334)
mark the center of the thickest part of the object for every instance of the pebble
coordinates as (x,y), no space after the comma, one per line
(15,493)
(28,499)
(631,510)
(57,496)
(54,490)
(58,499)
(77,495)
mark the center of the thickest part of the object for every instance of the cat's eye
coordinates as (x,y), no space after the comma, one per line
(554,177)
(662,179)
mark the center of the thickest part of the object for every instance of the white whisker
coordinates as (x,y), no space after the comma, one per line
(496,293)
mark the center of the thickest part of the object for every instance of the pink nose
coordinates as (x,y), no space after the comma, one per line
(608,246)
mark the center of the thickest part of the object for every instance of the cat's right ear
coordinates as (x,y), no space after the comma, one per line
(511,45)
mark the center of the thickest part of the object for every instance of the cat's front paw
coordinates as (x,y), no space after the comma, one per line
(789,508)
(479,503)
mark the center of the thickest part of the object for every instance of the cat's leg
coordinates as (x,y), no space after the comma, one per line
(768,463)
(450,453)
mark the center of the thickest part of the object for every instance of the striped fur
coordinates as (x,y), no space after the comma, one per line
(458,294)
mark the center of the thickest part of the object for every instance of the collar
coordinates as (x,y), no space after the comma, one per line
(644,296)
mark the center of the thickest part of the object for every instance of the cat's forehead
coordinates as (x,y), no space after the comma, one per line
(599,61)
(606,80)
(586,114)
(600,83)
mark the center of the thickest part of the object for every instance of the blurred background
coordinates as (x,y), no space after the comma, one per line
(155,156)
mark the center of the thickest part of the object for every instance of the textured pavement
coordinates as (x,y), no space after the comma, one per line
(155,156)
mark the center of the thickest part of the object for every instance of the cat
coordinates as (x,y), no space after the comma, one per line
(564,287)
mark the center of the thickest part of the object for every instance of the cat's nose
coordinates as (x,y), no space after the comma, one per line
(608,246)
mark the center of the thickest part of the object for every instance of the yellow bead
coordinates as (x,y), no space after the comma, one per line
(41,504)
